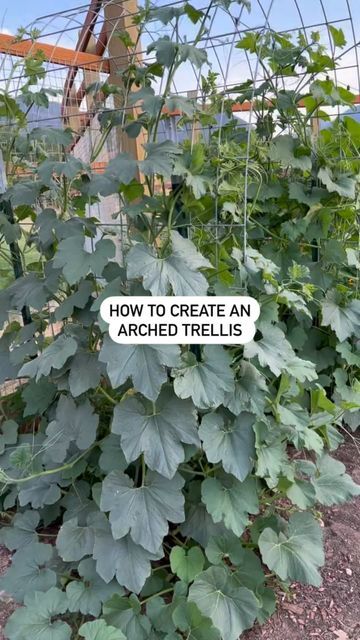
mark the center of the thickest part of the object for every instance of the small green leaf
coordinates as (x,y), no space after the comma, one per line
(39,491)
(284,149)
(77,300)
(123,168)
(53,136)
(249,394)
(99,630)
(337,36)
(187,564)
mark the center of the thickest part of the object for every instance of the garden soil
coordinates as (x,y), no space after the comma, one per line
(306,613)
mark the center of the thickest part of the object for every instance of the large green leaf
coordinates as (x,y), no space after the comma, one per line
(230,501)
(76,262)
(112,456)
(125,613)
(331,482)
(177,272)
(85,372)
(88,595)
(38,618)
(40,491)
(249,394)
(38,396)
(297,553)
(227,548)
(73,424)
(343,319)
(53,357)
(8,434)
(342,184)
(77,300)
(231,608)
(199,525)
(230,441)
(53,136)
(160,158)
(128,562)
(29,572)
(156,430)
(283,149)
(142,511)
(206,381)
(123,168)
(33,291)
(274,351)
(99,630)
(22,531)
(145,364)
(188,619)
(73,541)
(8,370)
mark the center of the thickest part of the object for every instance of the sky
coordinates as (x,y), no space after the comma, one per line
(15,13)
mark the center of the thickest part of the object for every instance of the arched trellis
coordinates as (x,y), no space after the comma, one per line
(94,52)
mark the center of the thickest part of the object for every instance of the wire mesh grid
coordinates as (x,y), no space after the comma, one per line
(74,107)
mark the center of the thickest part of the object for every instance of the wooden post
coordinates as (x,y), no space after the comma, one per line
(90,77)
(119,18)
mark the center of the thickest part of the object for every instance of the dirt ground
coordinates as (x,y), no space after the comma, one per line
(329,613)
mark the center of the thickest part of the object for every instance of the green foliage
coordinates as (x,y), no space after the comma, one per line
(160,471)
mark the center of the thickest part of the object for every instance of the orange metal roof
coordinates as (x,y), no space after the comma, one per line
(55,54)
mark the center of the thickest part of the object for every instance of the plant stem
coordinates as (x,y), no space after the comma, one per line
(155,595)
(8,480)
(107,395)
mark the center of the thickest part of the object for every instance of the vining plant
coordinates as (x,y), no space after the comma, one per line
(163,492)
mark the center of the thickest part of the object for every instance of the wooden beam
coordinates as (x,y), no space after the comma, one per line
(56,55)
(119,18)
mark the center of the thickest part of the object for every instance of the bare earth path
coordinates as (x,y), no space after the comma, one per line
(333,611)
(329,613)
